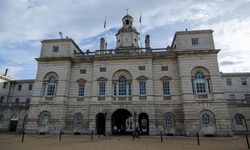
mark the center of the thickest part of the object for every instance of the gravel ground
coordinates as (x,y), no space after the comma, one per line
(11,141)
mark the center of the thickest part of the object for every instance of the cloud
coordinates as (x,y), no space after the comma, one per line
(24,23)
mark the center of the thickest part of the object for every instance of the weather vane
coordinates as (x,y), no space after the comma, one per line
(127,11)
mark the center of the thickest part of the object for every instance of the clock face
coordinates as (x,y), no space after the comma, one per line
(126,39)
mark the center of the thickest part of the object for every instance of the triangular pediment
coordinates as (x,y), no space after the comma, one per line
(102,79)
(81,80)
(165,78)
(142,78)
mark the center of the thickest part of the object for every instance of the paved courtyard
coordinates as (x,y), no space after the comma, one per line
(78,142)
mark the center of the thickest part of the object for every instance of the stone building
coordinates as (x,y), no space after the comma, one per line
(177,90)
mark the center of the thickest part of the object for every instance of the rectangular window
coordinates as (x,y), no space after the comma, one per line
(164,68)
(142,86)
(192,82)
(102,69)
(28,100)
(247,96)
(2,99)
(231,97)
(19,87)
(51,89)
(101,88)
(129,88)
(243,81)
(141,68)
(82,71)
(30,86)
(5,84)
(208,86)
(195,41)
(200,88)
(17,100)
(114,86)
(165,87)
(229,81)
(81,90)
(55,48)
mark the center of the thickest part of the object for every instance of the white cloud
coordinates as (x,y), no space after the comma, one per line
(24,23)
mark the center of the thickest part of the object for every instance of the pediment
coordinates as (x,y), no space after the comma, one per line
(81,80)
(165,78)
(102,79)
(142,78)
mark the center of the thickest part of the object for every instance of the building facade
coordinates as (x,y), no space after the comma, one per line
(176,90)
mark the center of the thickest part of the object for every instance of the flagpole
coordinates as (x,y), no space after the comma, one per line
(140,30)
(105,28)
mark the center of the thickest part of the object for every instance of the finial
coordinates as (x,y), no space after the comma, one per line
(127,11)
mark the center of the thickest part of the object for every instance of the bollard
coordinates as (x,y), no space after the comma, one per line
(133,135)
(92,135)
(247,142)
(60,136)
(23,136)
(198,140)
(161,137)
(99,135)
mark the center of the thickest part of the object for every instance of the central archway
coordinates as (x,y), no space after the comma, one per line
(123,120)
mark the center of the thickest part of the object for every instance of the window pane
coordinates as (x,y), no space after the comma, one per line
(129,88)
(164,68)
(142,88)
(195,41)
(238,120)
(101,88)
(51,86)
(205,119)
(78,119)
(114,86)
(169,120)
(122,86)
(243,81)
(141,68)
(55,48)
(165,86)
(231,96)
(229,81)
(102,69)
(81,90)
(45,119)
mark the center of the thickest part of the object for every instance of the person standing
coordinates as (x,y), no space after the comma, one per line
(138,132)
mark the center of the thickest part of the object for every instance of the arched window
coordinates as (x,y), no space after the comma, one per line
(122,86)
(239,120)
(169,120)
(206,121)
(200,81)
(122,80)
(44,118)
(78,119)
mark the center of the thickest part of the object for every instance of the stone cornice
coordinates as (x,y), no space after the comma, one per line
(191,52)
(55,59)
(242,74)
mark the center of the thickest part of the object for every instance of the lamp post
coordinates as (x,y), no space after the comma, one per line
(135,123)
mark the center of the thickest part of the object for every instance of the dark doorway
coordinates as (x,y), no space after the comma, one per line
(123,120)
(144,124)
(100,123)
(13,125)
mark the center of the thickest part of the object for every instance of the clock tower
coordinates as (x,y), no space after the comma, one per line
(127,37)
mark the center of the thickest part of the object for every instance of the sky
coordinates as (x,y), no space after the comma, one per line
(25,23)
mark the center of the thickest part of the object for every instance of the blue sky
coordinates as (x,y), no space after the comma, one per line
(24,23)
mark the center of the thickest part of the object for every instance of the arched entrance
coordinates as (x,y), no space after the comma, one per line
(123,120)
(100,123)
(144,124)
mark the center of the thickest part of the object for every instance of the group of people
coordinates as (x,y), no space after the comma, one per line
(119,131)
